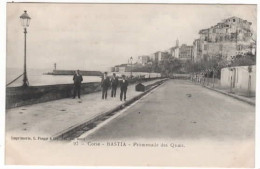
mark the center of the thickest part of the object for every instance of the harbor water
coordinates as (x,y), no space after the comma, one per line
(37,77)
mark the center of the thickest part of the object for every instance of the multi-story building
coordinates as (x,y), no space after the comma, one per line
(143,60)
(160,56)
(186,52)
(196,50)
(127,67)
(157,56)
(122,68)
(174,51)
(152,57)
(228,38)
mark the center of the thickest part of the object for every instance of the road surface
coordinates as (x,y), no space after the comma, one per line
(214,130)
(179,109)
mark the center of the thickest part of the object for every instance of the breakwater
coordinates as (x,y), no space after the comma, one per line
(72,72)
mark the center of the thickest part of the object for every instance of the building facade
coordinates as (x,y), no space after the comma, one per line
(196,50)
(157,56)
(241,78)
(122,68)
(143,60)
(186,52)
(228,38)
(174,51)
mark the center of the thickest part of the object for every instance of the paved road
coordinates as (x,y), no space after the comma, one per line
(181,110)
(216,131)
(50,118)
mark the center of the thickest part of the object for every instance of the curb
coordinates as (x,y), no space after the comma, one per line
(231,95)
(67,132)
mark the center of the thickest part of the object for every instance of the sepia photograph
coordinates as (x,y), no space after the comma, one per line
(111,84)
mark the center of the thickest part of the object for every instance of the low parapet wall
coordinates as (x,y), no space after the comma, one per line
(20,96)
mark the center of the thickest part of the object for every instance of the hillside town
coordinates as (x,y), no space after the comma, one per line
(228,43)
(182,82)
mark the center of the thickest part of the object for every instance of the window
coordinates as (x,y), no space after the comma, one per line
(233,36)
(234,20)
(239,47)
(205,47)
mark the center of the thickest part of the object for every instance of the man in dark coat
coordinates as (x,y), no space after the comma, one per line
(123,87)
(105,83)
(114,84)
(77,78)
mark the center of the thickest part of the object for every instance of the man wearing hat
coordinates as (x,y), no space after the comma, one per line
(123,87)
(77,78)
(105,83)
(114,84)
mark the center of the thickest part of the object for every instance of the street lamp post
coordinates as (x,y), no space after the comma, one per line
(131,60)
(231,70)
(150,70)
(25,21)
(214,71)
(249,80)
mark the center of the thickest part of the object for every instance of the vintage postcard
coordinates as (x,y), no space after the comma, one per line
(131,84)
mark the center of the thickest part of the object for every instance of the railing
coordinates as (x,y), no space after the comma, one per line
(211,82)
(215,83)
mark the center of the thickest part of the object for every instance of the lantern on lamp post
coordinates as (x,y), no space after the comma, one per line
(25,22)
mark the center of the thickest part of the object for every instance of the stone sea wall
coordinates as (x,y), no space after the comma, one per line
(20,96)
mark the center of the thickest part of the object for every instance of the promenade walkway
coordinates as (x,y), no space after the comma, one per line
(50,118)
(216,86)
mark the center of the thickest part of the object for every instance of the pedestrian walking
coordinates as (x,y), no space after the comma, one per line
(77,78)
(123,87)
(105,84)
(114,84)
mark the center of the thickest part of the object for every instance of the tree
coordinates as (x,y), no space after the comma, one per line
(244,60)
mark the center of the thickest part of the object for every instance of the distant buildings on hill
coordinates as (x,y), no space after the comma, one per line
(228,38)
(231,37)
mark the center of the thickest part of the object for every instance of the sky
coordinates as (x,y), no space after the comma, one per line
(99,36)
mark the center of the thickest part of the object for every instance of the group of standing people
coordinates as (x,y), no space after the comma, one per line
(106,83)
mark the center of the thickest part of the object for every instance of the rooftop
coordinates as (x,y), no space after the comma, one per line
(223,22)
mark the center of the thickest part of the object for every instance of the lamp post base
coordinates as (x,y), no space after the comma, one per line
(25,85)
(25,81)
